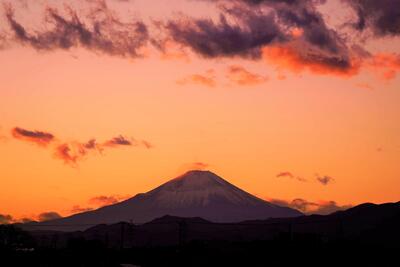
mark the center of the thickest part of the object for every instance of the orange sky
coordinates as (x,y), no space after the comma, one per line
(287,120)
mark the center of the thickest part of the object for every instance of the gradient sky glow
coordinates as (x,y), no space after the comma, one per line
(247,125)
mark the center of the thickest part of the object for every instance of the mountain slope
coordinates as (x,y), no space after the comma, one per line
(194,194)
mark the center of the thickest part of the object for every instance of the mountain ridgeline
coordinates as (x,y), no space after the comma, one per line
(194,194)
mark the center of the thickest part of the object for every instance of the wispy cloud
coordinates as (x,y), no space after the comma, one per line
(98,202)
(118,141)
(78,209)
(381,17)
(291,176)
(63,152)
(365,86)
(386,65)
(98,30)
(107,200)
(196,165)
(309,207)
(325,179)
(207,79)
(291,57)
(241,76)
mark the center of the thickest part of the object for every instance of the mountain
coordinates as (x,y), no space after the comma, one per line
(194,194)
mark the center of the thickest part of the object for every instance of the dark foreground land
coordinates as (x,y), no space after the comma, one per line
(366,235)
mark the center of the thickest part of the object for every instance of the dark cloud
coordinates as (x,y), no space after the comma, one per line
(325,180)
(48,216)
(6,219)
(308,207)
(99,30)
(247,28)
(210,39)
(37,137)
(381,17)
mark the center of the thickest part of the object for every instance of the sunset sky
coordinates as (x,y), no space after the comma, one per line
(101,100)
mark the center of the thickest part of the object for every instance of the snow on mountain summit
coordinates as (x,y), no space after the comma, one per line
(199,188)
(194,180)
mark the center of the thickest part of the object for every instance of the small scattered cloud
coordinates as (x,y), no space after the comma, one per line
(6,219)
(309,207)
(285,174)
(241,76)
(199,165)
(190,166)
(48,216)
(325,179)
(78,209)
(386,65)
(118,141)
(147,144)
(171,51)
(91,145)
(103,200)
(63,152)
(73,152)
(207,79)
(38,137)
(98,202)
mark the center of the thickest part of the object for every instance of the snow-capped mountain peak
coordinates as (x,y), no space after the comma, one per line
(194,194)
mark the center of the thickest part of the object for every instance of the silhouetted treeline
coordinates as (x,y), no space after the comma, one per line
(367,235)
